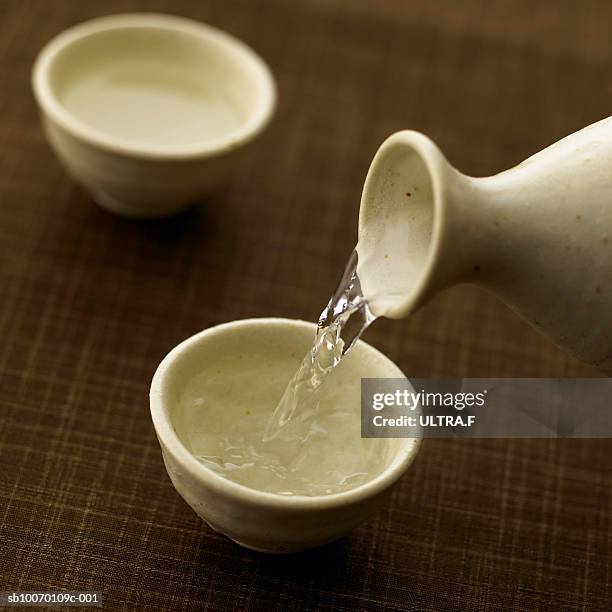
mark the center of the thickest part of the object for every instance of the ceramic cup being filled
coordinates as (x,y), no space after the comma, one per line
(150,112)
(211,398)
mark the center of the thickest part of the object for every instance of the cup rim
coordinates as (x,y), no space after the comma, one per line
(171,443)
(55,110)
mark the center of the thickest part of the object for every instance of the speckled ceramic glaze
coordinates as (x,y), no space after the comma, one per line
(150,112)
(260,520)
(538,235)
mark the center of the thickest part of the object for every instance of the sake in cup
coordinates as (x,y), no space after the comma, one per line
(241,356)
(150,112)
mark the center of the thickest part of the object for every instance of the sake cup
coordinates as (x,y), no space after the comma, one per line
(260,520)
(150,112)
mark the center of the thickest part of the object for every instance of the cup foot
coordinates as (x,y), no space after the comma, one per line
(275,551)
(267,551)
(254,548)
(133,212)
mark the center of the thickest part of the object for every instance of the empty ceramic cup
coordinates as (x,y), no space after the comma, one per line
(237,360)
(150,112)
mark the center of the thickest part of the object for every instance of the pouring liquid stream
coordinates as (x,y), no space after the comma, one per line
(342,322)
(311,443)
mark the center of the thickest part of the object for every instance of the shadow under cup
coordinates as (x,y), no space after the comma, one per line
(256,519)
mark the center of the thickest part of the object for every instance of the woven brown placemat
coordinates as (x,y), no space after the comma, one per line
(90,303)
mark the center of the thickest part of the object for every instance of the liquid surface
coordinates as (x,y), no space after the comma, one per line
(311,443)
(152,104)
(223,411)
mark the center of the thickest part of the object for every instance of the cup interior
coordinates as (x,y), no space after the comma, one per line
(240,358)
(154,80)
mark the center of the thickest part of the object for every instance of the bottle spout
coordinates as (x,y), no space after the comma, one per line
(401,224)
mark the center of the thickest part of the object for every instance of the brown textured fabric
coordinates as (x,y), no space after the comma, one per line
(90,303)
